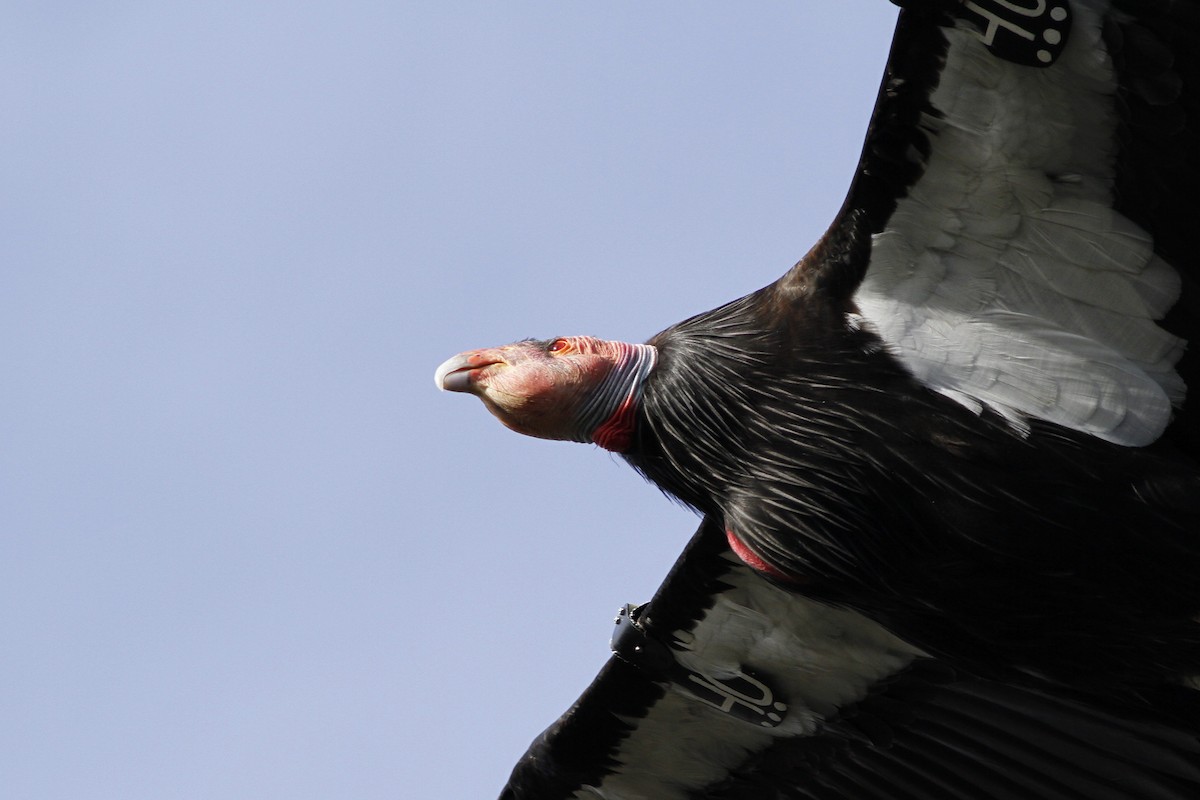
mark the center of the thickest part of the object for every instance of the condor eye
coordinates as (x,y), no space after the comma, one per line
(559,346)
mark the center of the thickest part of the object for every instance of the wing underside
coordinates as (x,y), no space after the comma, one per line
(1010,273)
(858,714)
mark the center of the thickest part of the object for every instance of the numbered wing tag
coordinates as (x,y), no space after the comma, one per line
(740,694)
(1028,32)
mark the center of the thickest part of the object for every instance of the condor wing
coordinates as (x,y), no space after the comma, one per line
(726,686)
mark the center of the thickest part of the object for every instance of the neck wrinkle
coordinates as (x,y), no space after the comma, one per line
(607,418)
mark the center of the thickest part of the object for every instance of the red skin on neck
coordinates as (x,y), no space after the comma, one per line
(616,433)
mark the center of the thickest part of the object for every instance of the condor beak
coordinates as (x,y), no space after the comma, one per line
(456,374)
(451,376)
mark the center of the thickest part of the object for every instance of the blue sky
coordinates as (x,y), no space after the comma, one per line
(246,549)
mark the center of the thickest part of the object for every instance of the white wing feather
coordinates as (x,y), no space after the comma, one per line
(1005,279)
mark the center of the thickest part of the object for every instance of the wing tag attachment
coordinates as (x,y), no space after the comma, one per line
(741,695)
(1028,32)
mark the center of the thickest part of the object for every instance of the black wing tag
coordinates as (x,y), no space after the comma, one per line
(1028,32)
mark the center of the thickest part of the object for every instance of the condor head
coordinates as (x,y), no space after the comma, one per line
(572,388)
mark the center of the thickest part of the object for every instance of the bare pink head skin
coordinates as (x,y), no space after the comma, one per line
(573,388)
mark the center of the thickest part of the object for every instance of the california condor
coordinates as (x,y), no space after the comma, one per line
(948,463)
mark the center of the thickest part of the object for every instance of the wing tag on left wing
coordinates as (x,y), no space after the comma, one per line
(740,694)
(1028,32)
